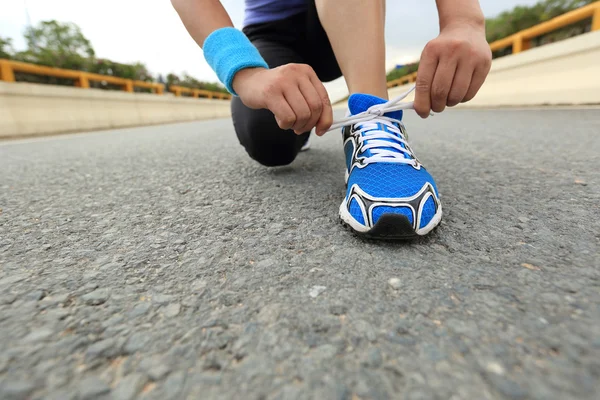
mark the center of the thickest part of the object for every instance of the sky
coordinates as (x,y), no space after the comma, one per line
(150,31)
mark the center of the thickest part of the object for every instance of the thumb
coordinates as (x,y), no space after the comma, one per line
(425,75)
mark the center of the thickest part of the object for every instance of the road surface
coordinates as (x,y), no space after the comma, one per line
(163,263)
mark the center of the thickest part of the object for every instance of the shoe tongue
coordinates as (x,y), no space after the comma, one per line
(360,102)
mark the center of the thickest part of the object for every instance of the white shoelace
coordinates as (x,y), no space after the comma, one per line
(380,142)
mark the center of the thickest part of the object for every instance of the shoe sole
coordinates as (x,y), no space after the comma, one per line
(388,226)
(306,145)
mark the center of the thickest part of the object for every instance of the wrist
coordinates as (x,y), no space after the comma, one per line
(228,51)
(460,13)
(243,75)
(474,23)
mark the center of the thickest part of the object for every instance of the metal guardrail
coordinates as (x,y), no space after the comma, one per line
(521,41)
(82,79)
(410,78)
(179,90)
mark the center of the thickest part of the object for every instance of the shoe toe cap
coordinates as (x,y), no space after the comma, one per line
(378,211)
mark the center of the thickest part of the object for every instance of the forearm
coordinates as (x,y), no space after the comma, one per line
(460,11)
(202,17)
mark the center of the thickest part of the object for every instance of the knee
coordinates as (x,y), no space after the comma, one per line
(272,153)
(262,138)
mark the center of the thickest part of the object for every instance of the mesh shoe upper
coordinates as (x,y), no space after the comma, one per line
(385,185)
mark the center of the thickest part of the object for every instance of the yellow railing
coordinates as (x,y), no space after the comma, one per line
(179,90)
(521,41)
(410,78)
(82,79)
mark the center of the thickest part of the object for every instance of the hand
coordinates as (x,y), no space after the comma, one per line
(292,92)
(453,67)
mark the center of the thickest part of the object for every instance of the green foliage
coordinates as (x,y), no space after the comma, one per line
(137,71)
(63,45)
(400,72)
(6,49)
(523,17)
(191,82)
(57,44)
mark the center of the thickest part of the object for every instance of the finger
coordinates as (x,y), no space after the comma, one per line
(313,100)
(476,82)
(461,84)
(296,100)
(284,115)
(442,82)
(425,74)
(326,118)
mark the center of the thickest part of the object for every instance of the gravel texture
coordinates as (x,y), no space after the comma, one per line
(163,263)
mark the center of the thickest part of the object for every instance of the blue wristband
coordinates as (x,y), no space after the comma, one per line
(227,51)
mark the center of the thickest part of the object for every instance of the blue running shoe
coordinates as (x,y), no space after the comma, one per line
(389,193)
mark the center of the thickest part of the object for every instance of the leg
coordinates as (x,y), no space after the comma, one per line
(389,195)
(257,130)
(316,49)
(262,138)
(359,52)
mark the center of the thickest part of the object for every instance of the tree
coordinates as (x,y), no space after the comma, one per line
(137,71)
(57,44)
(173,79)
(191,82)
(402,71)
(63,45)
(6,49)
(523,17)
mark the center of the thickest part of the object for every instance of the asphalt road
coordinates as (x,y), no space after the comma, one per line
(163,263)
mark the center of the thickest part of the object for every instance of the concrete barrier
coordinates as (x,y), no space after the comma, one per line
(32,109)
(566,72)
(562,73)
